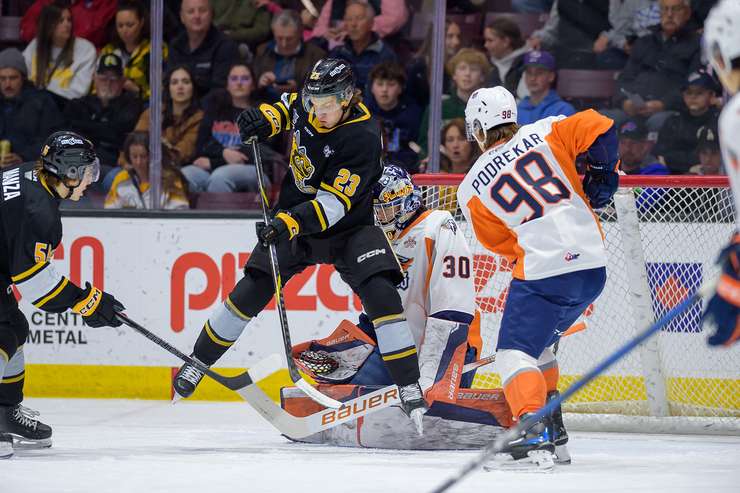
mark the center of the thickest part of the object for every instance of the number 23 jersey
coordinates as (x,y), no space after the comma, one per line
(524,198)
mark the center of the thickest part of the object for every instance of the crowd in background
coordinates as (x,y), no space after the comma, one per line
(84,66)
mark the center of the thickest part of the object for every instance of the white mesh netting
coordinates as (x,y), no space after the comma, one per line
(675,383)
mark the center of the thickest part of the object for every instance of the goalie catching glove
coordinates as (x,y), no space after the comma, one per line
(98,308)
(723,306)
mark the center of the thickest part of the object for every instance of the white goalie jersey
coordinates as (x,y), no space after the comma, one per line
(438,271)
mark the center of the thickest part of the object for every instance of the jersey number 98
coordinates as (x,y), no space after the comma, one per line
(537,176)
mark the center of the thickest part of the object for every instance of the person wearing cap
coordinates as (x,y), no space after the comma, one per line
(106,116)
(543,101)
(634,150)
(27,115)
(707,148)
(677,140)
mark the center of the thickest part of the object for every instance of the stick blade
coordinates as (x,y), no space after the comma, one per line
(317,396)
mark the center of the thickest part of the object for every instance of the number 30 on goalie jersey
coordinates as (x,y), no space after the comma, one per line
(524,198)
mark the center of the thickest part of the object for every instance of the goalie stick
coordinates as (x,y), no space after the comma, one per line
(291,426)
(295,376)
(512,433)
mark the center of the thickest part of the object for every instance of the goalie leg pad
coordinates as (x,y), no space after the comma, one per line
(441,358)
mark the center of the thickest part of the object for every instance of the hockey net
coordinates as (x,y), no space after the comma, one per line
(662,235)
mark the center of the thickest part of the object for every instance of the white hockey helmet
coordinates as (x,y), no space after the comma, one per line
(487,108)
(722,36)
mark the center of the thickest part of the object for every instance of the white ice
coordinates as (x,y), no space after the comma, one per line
(106,446)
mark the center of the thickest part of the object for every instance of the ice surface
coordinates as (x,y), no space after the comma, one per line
(106,446)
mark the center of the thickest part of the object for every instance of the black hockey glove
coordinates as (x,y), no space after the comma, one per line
(251,123)
(600,187)
(99,308)
(283,225)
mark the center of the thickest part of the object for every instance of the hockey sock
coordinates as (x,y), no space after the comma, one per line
(12,378)
(524,385)
(548,365)
(220,332)
(395,342)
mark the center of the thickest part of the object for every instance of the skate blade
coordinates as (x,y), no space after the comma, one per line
(562,455)
(23,443)
(416,417)
(540,461)
(176,397)
(6,451)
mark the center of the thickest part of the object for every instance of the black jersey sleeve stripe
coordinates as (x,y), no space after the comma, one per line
(320,214)
(39,303)
(30,272)
(345,199)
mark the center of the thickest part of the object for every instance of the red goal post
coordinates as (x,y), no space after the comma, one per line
(662,235)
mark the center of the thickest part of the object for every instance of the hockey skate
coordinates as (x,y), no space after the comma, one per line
(532,451)
(558,432)
(413,404)
(6,446)
(20,423)
(186,380)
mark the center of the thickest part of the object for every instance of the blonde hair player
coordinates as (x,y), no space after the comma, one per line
(525,201)
(722,49)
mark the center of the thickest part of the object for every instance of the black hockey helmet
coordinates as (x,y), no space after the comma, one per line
(68,155)
(329,77)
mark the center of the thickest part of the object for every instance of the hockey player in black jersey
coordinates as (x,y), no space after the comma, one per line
(324,215)
(30,231)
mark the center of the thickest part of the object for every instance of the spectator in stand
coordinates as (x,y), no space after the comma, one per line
(224,163)
(362,47)
(634,151)
(331,24)
(92,18)
(282,64)
(571,30)
(132,44)
(398,113)
(418,67)
(543,101)
(469,69)
(308,19)
(106,116)
(246,22)
(131,190)
(506,49)
(677,140)
(181,115)
(208,51)
(649,87)
(57,60)
(27,115)
(612,46)
(458,153)
(710,157)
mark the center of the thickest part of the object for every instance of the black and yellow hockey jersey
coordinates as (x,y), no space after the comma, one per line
(30,231)
(332,170)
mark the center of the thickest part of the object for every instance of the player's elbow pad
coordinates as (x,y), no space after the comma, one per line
(603,155)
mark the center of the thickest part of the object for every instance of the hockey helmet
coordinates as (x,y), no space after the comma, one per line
(68,155)
(329,77)
(722,36)
(395,199)
(487,108)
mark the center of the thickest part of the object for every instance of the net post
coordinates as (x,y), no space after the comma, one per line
(639,293)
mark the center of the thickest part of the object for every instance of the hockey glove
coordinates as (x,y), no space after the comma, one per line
(98,308)
(723,306)
(252,122)
(600,187)
(283,225)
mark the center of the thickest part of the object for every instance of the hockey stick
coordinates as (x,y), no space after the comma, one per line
(291,426)
(295,376)
(512,433)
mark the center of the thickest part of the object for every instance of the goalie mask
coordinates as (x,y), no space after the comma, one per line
(396,200)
